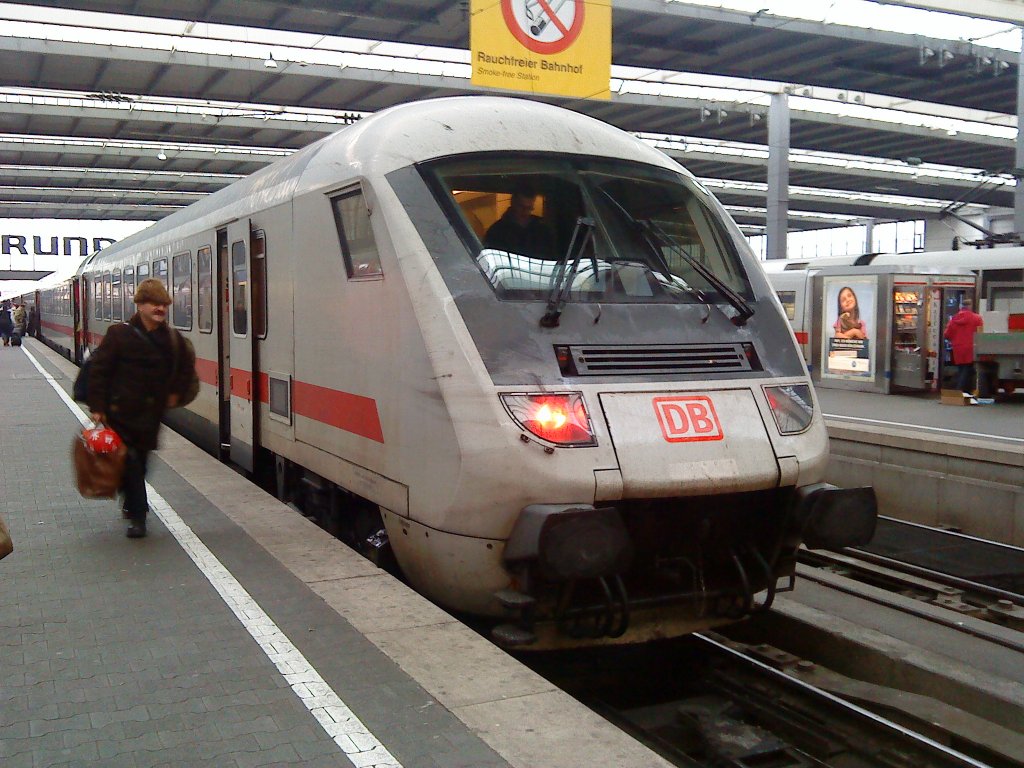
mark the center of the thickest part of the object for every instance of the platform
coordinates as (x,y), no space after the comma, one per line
(237,633)
(1004,419)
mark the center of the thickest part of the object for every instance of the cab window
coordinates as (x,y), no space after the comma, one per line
(359,249)
(615,231)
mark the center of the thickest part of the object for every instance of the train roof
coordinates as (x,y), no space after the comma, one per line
(395,138)
(968,258)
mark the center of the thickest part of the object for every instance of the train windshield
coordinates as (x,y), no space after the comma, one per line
(613,231)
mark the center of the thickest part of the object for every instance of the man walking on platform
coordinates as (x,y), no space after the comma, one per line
(960,333)
(141,369)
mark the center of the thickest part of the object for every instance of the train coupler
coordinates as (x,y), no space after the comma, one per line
(520,607)
(834,518)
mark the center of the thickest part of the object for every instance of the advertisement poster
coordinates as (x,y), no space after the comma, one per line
(849,309)
(561,47)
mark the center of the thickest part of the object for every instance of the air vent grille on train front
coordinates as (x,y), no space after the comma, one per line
(656,359)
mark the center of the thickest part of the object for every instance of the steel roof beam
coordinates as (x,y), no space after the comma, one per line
(801,109)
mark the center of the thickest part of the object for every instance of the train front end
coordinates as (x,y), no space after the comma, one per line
(642,447)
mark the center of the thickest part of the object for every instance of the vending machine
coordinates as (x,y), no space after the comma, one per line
(879,329)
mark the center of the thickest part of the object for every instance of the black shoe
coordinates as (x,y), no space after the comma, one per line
(136,529)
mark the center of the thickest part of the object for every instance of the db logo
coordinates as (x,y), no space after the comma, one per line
(687,419)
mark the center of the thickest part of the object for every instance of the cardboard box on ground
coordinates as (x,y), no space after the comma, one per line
(956,397)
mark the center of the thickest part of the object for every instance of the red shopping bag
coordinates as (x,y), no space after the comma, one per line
(98,456)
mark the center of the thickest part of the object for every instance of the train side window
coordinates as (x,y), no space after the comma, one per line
(97,297)
(141,273)
(352,217)
(181,297)
(788,299)
(239,281)
(204,278)
(106,296)
(160,272)
(259,284)
(116,308)
(129,291)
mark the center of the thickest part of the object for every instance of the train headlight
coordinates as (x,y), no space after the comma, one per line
(557,418)
(791,406)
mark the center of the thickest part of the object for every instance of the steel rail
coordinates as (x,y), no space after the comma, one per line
(949,756)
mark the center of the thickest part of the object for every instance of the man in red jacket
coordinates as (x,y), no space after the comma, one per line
(960,332)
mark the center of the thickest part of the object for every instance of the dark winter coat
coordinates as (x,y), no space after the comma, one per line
(130,379)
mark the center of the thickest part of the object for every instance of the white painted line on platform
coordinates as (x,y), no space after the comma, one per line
(918,427)
(359,745)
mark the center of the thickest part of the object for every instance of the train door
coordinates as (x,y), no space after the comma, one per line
(244,378)
(82,308)
(222,281)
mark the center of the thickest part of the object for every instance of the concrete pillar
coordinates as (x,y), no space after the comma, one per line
(869,235)
(1018,194)
(778,176)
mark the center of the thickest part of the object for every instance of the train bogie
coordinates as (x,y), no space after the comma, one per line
(612,437)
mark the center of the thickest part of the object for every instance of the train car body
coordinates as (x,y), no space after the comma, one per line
(596,442)
(1000,294)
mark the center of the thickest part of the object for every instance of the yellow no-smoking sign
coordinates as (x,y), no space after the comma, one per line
(561,47)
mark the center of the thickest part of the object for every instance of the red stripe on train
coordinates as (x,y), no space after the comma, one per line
(352,413)
(65,329)
(207,371)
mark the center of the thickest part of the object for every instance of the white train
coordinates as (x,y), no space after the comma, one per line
(604,433)
(1000,284)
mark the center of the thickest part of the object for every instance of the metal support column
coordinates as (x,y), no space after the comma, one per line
(778,176)
(869,235)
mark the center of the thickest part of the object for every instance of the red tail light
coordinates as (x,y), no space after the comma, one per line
(560,419)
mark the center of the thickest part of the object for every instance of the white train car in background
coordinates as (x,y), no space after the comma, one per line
(1000,274)
(613,439)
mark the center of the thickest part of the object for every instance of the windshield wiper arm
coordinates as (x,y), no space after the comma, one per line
(744,310)
(561,281)
(662,265)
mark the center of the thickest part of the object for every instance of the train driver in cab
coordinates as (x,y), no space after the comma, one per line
(520,231)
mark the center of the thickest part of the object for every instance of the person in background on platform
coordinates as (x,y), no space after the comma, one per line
(141,369)
(6,323)
(519,231)
(19,319)
(960,333)
(33,321)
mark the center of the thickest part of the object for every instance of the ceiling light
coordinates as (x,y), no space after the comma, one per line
(161,155)
(270,63)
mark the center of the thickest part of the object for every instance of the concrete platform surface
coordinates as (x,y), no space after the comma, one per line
(237,633)
(1002,421)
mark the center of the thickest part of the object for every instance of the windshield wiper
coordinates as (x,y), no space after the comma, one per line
(652,234)
(661,266)
(561,279)
(744,311)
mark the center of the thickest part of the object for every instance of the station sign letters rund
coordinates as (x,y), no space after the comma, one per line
(559,47)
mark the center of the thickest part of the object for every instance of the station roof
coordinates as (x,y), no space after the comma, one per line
(132,130)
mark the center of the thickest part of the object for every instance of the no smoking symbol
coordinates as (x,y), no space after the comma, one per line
(544,26)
